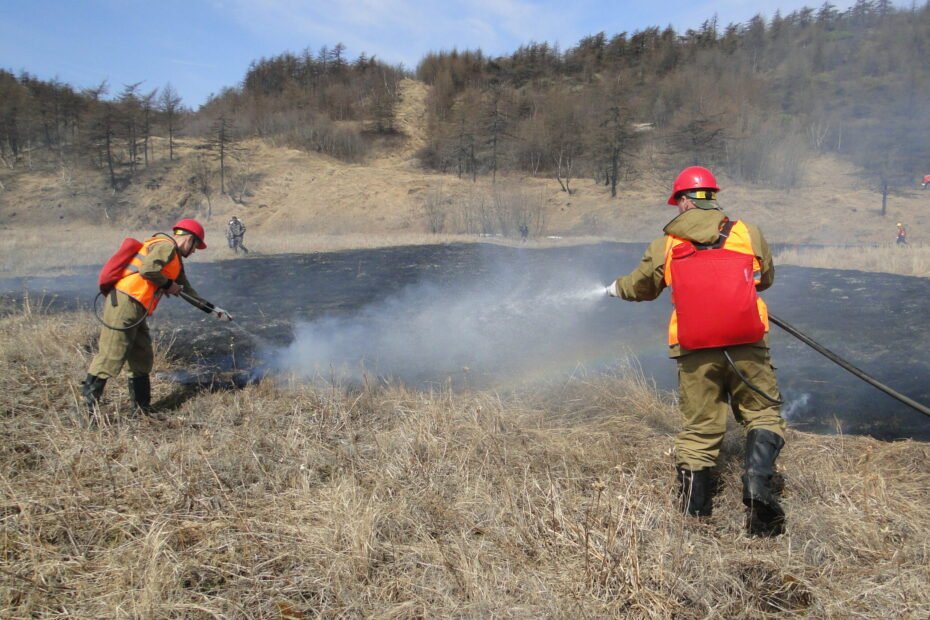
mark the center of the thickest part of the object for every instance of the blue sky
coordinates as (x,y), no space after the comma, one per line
(201,46)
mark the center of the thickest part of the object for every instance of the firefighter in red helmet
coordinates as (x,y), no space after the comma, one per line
(157,269)
(718,333)
(901,236)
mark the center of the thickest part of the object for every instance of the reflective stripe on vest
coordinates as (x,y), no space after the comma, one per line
(737,241)
(145,291)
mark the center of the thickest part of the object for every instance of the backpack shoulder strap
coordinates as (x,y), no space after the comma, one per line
(721,239)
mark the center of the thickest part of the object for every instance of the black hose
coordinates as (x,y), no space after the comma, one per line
(107,325)
(836,359)
(206,307)
(195,302)
(749,383)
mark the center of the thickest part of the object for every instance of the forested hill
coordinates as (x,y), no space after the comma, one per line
(754,100)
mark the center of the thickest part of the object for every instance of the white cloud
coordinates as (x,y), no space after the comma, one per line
(401,30)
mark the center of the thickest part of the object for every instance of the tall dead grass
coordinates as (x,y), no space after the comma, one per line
(547,500)
(911,260)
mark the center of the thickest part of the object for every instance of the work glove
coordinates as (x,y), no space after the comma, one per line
(222,314)
(612,290)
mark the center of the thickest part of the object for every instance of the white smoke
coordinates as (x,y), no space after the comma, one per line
(505,324)
(794,407)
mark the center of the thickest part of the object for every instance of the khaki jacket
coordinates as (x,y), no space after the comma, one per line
(154,262)
(647,281)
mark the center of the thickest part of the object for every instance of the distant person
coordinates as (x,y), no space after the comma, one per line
(719,335)
(926,182)
(156,270)
(524,232)
(901,238)
(235,231)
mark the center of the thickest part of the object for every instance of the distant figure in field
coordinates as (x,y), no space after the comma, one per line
(235,231)
(926,182)
(901,239)
(524,231)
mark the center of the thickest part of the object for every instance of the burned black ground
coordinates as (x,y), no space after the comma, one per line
(874,320)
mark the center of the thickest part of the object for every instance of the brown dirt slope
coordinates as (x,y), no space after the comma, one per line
(296,199)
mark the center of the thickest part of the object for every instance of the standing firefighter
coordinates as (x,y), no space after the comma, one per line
(235,231)
(901,238)
(718,334)
(155,270)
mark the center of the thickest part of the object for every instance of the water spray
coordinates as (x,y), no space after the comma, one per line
(499,324)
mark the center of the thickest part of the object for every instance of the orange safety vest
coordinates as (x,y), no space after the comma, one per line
(145,291)
(737,241)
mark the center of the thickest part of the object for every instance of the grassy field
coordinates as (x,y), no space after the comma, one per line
(912,260)
(34,251)
(547,500)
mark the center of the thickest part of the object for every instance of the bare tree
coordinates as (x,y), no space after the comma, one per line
(223,145)
(170,105)
(241,179)
(14,103)
(383,97)
(614,138)
(102,127)
(702,137)
(434,207)
(148,107)
(202,181)
(466,123)
(495,124)
(130,112)
(565,135)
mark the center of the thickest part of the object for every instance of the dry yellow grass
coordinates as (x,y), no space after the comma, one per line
(542,500)
(912,260)
(548,500)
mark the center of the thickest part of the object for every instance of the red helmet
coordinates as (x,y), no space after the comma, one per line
(692,177)
(194,228)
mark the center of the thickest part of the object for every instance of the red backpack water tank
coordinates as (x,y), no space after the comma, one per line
(715,297)
(112,270)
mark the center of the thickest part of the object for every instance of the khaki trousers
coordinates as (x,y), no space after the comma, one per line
(709,389)
(116,348)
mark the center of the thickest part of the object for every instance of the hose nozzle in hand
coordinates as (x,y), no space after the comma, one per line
(221,314)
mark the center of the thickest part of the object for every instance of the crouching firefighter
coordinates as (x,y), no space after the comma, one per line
(718,334)
(132,282)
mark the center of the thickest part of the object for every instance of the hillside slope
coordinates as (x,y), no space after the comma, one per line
(295,199)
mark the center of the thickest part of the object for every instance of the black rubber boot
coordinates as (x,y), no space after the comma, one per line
(140,394)
(764,516)
(695,493)
(92,391)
